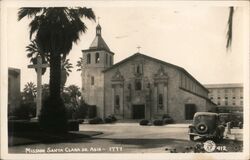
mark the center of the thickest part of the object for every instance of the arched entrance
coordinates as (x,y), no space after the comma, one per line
(139,111)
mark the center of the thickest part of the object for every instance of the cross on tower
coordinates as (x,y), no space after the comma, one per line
(39,66)
(138,47)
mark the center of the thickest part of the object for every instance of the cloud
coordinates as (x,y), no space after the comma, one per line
(122,36)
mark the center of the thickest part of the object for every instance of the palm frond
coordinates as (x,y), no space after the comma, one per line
(86,12)
(230,27)
(29,12)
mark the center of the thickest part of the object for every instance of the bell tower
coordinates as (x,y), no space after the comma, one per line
(97,58)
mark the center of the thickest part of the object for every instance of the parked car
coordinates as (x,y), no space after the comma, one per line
(207,125)
(236,119)
(225,117)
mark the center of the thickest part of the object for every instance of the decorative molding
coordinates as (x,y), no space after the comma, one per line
(161,74)
(117,76)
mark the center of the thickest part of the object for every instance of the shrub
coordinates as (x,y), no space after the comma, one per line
(96,120)
(69,111)
(167,119)
(81,111)
(23,126)
(80,120)
(73,125)
(91,111)
(108,120)
(158,122)
(113,117)
(144,122)
(29,126)
(25,111)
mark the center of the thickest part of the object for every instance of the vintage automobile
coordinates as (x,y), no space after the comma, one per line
(206,125)
(235,119)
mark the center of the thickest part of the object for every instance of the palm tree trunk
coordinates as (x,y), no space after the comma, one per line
(53,114)
(55,75)
(230,27)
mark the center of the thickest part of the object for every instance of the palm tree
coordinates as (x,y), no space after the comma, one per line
(80,64)
(29,92)
(230,27)
(65,69)
(74,93)
(33,52)
(55,29)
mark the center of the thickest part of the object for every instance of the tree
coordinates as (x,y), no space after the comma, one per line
(71,96)
(74,93)
(65,69)
(27,107)
(230,27)
(80,64)
(55,29)
(29,92)
(32,53)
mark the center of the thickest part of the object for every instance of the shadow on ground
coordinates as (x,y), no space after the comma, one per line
(25,138)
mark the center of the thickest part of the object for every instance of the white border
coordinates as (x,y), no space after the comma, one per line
(3,81)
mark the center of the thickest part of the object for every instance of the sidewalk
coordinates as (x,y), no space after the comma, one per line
(236,134)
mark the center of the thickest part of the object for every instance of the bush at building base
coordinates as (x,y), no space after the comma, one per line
(110,119)
(158,122)
(91,111)
(96,120)
(144,122)
(167,119)
(25,111)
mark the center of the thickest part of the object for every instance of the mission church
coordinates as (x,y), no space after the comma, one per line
(139,87)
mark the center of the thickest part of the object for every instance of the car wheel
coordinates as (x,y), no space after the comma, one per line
(191,137)
(202,128)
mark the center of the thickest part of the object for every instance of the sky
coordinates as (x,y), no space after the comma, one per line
(191,36)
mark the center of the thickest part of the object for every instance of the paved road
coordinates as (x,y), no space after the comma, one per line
(127,137)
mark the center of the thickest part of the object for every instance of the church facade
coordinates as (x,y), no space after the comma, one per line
(139,87)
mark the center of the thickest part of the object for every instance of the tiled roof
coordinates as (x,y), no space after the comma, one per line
(98,43)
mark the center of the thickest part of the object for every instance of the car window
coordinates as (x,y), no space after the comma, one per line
(204,118)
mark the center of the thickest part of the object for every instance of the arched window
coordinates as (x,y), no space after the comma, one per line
(88,58)
(160,100)
(97,57)
(117,101)
(92,80)
(138,85)
(110,60)
(106,58)
(138,69)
